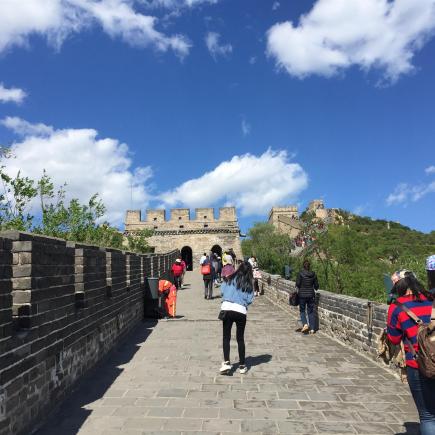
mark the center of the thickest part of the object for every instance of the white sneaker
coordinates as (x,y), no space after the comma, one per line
(305,329)
(243,369)
(225,368)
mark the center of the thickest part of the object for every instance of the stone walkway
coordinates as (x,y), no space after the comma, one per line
(164,379)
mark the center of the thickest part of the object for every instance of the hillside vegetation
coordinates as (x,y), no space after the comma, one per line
(349,258)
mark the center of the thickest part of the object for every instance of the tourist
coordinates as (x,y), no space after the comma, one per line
(430,268)
(177,271)
(215,263)
(400,326)
(306,284)
(183,263)
(227,265)
(202,259)
(208,277)
(237,294)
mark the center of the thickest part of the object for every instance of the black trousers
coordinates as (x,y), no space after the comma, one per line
(240,320)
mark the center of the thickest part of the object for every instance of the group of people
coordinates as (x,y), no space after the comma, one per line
(413,306)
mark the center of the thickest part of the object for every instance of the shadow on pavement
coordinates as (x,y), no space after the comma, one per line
(72,414)
(252,361)
(412,428)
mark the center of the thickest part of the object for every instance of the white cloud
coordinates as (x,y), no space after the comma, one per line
(14,95)
(212,42)
(176,4)
(405,193)
(58,19)
(430,170)
(253,60)
(252,183)
(276,6)
(246,127)
(337,34)
(85,162)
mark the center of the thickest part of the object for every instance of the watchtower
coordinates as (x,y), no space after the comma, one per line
(192,237)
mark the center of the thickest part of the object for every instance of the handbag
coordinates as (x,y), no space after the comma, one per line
(293,299)
(222,315)
(206,269)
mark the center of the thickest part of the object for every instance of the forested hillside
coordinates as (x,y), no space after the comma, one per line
(350,257)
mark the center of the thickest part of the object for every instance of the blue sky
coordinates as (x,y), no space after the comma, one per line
(208,103)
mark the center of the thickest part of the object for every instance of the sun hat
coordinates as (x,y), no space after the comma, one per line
(178,260)
(430,263)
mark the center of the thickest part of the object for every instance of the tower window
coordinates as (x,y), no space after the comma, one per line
(155,228)
(205,225)
(205,217)
(179,218)
(155,219)
(181,226)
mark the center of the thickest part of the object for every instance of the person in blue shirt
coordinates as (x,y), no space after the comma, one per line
(237,294)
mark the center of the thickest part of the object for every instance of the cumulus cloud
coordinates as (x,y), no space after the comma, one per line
(57,19)
(405,193)
(215,49)
(14,95)
(430,170)
(252,183)
(87,163)
(338,34)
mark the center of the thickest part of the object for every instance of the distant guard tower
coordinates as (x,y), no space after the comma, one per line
(205,233)
(286,220)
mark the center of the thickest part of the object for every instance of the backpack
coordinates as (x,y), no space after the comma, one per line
(206,269)
(293,299)
(425,340)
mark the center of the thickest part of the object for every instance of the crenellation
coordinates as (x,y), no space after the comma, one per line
(180,215)
(205,215)
(156,216)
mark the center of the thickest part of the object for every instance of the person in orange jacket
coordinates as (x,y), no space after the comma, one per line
(168,293)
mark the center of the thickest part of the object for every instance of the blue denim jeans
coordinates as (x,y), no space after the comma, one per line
(308,305)
(423,392)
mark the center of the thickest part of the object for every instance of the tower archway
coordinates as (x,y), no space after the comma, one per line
(186,255)
(217,250)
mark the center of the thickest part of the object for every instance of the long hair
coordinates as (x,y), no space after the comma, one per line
(431,279)
(412,283)
(242,278)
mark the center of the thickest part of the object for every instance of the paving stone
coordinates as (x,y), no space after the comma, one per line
(201,412)
(231,413)
(172,392)
(263,426)
(299,427)
(145,423)
(221,425)
(283,404)
(183,424)
(165,412)
(373,428)
(338,428)
(249,404)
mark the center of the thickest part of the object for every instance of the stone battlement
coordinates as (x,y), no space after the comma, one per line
(227,215)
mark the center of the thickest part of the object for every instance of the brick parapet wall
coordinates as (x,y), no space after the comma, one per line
(353,321)
(63,307)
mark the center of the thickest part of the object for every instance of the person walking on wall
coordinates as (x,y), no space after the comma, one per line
(207,271)
(237,294)
(413,297)
(306,284)
(177,271)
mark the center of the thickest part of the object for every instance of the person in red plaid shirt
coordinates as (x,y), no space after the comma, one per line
(410,293)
